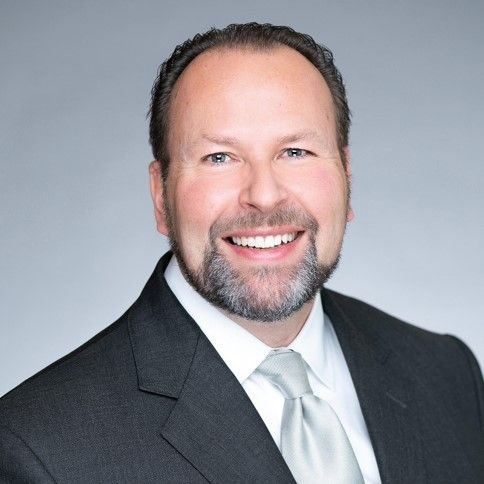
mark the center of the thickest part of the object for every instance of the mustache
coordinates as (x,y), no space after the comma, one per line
(253,220)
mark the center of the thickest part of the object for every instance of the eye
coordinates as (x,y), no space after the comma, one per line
(296,152)
(218,158)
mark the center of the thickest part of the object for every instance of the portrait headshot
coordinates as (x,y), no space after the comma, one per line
(241,243)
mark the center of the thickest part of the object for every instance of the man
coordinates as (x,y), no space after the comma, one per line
(235,364)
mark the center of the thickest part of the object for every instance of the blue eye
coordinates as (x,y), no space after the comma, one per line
(296,152)
(218,158)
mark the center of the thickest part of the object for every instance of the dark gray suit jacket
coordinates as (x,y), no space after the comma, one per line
(150,400)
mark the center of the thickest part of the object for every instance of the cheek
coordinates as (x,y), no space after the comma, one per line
(324,194)
(198,204)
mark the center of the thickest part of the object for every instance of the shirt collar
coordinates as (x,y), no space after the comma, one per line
(241,351)
(312,343)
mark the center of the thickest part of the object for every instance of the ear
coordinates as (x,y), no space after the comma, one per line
(347,154)
(156,187)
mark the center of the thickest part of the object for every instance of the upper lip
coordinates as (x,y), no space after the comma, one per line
(263,232)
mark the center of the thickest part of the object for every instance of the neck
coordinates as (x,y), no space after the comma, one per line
(276,333)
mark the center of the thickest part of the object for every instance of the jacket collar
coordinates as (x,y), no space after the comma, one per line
(163,336)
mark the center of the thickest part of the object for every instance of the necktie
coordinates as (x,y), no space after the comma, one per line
(313,441)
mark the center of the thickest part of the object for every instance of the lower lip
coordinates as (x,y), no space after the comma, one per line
(267,255)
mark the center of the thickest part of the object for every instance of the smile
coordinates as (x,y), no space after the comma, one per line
(261,242)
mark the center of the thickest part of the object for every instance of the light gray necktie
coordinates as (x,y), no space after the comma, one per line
(313,441)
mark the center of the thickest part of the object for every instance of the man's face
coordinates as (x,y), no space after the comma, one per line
(256,200)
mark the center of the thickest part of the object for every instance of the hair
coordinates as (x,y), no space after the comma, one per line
(249,35)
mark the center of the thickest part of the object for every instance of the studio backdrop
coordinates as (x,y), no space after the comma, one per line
(78,238)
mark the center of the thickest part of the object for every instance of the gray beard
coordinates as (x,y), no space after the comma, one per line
(284,290)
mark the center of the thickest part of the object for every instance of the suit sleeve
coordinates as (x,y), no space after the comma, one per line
(477,378)
(18,463)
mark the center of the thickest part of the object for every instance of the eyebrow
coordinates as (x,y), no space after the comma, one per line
(291,138)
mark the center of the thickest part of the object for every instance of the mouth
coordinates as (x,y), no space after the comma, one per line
(263,242)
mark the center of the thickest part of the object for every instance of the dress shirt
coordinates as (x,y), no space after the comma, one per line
(317,343)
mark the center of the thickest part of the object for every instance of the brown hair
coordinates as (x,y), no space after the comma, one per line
(253,35)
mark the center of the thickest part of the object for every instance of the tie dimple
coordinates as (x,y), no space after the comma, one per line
(285,368)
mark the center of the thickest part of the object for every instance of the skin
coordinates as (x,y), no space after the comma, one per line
(253,106)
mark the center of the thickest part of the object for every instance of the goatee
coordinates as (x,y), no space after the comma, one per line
(267,293)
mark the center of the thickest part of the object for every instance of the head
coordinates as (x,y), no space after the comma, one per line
(249,129)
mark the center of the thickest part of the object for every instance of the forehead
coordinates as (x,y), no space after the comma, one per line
(237,91)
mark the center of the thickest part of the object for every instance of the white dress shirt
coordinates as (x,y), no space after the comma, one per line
(317,343)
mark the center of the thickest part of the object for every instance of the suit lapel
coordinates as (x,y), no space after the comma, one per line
(227,440)
(386,394)
(213,423)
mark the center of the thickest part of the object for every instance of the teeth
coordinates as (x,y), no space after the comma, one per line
(267,242)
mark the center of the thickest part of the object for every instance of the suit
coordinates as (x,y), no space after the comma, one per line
(150,400)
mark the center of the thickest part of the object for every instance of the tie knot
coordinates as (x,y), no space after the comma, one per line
(285,368)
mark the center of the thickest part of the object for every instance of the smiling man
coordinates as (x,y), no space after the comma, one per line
(236,364)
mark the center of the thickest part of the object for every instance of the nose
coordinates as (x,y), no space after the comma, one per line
(263,189)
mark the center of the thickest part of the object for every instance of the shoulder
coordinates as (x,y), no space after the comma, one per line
(439,361)
(48,413)
(391,330)
(426,351)
(83,373)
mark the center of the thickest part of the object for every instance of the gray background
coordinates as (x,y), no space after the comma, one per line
(77,234)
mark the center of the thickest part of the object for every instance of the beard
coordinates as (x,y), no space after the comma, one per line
(264,294)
